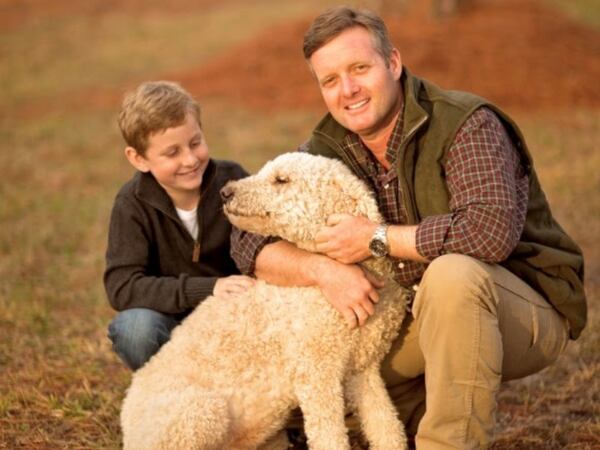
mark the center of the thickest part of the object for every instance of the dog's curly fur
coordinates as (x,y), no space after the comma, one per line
(234,369)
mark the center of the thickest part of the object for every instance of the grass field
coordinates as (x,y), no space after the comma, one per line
(62,71)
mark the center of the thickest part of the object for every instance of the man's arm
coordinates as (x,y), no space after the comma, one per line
(346,287)
(346,239)
(350,290)
(488,189)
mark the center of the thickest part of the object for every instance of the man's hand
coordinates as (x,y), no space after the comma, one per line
(232,286)
(346,238)
(349,290)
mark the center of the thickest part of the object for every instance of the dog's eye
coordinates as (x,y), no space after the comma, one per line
(281,179)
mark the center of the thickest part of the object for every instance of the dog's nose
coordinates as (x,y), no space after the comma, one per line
(226,193)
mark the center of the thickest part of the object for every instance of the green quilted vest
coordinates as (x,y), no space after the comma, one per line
(545,257)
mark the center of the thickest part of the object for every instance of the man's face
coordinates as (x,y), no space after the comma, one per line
(359,89)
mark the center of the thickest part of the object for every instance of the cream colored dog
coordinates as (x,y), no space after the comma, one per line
(234,369)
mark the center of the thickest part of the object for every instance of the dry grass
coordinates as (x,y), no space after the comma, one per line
(60,384)
(558,408)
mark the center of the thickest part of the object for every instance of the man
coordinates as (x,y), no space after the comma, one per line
(497,282)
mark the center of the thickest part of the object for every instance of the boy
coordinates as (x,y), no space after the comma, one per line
(168,242)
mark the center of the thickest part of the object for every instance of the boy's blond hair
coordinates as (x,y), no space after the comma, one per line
(153,107)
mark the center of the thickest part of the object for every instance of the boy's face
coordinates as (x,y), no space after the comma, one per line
(177,157)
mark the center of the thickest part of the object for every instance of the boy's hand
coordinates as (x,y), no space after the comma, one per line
(232,286)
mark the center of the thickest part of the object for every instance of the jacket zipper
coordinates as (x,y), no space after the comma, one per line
(197,239)
(196,251)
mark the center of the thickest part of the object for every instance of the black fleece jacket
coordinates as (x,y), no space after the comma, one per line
(149,259)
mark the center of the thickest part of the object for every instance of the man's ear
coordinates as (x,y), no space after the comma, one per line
(136,160)
(396,63)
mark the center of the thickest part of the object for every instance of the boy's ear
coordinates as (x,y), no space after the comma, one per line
(136,160)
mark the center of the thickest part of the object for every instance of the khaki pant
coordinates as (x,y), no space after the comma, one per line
(475,324)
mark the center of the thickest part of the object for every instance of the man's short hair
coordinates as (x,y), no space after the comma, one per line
(334,21)
(153,107)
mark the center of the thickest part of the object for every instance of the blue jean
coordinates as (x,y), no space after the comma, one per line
(139,333)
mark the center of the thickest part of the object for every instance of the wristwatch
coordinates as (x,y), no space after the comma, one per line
(379,244)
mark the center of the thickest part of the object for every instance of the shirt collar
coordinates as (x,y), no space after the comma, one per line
(354,147)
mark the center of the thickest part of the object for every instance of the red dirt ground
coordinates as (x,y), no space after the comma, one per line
(519,53)
(522,54)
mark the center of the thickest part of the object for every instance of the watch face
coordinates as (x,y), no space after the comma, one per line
(378,248)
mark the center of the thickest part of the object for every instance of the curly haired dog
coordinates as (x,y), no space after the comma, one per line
(234,369)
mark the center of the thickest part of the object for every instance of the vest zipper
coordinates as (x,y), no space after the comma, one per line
(409,200)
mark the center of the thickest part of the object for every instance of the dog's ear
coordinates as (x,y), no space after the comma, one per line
(349,186)
(347,189)
(352,193)
(357,197)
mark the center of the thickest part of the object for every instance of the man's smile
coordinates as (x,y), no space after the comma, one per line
(357,105)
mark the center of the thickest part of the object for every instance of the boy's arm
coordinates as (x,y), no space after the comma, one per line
(127,280)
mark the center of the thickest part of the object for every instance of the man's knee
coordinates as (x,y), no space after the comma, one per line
(137,334)
(453,282)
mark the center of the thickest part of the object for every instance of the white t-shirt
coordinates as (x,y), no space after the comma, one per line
(190,220)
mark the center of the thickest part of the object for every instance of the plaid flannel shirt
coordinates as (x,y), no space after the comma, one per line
(488,190)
